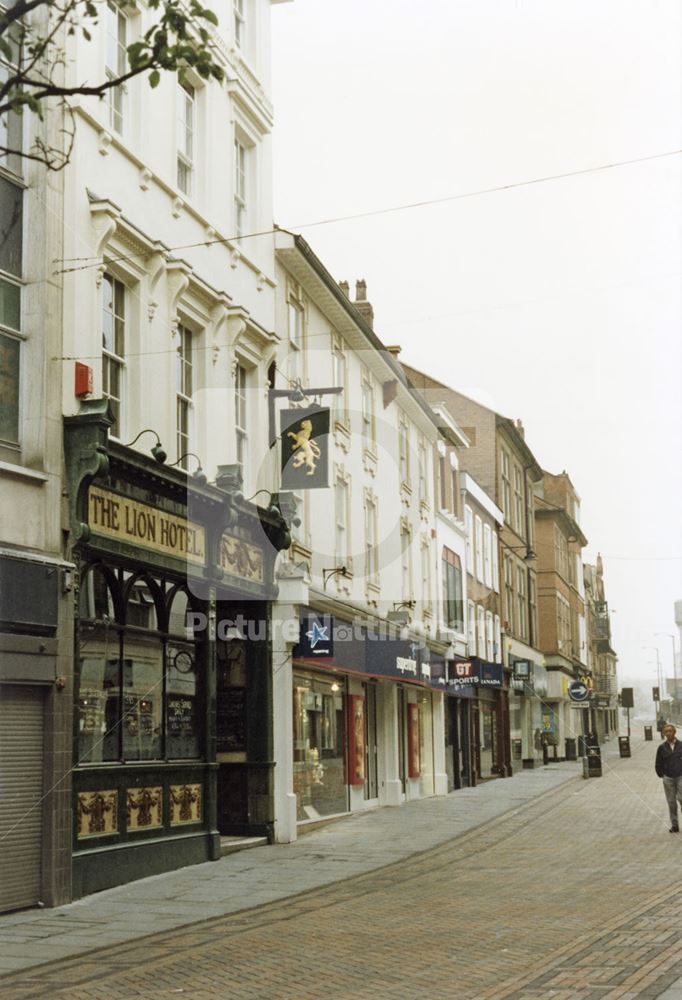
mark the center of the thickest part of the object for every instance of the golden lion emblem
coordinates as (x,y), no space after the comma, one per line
(306,451)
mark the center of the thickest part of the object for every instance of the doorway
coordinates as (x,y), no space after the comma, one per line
(371,769)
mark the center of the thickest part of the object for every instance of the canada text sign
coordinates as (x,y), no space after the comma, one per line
(127,520)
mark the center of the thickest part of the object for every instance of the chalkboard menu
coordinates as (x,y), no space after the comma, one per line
(231,720)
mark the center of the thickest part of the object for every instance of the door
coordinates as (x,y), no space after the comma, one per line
(402,737)
(371,770)
(21,795)
(453,763)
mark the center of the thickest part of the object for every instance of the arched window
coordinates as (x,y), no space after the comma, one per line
(183,719)
(141,692)
(99,645)
(142,672)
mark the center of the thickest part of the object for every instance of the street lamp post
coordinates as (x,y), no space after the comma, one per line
(672,639)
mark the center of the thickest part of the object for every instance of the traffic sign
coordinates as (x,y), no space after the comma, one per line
(578,691)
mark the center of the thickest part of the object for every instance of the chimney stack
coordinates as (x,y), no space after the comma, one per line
(343,285)
(362,305)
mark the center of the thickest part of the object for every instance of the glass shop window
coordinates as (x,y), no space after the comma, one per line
(183,724)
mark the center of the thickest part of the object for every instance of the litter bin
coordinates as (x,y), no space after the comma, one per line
(592,763)
(624,745)
(648,733)
(571,753)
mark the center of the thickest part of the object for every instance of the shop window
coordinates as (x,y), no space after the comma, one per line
(100,680)
(139,693)
(319,747)
(142,677)
(183,720)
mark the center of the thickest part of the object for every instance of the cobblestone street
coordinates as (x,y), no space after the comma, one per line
(573,894)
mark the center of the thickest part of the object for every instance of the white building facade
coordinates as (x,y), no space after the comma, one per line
(359,720)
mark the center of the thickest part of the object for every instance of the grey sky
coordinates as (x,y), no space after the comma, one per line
(558,303)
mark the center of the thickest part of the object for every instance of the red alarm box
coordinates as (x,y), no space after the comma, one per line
(83,379)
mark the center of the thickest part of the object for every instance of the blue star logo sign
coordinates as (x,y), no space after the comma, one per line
(318,633)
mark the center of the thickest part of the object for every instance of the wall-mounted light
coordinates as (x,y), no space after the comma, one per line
(327,574)
(199,476)
(529,556)
(157,451)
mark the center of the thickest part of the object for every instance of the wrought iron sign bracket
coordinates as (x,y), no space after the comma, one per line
(274,394)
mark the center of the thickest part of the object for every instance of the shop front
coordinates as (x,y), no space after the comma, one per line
(459,742)
(528,702)
(172,718)
(489,716)
(365,707)
(35,655)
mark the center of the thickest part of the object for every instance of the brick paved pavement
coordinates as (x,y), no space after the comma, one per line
(575,894)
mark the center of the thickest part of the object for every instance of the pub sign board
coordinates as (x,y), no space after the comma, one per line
(304,438)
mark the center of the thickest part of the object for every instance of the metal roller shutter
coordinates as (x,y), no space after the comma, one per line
(21,791)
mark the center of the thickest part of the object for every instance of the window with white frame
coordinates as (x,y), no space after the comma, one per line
(11,132)
(186,125)
(454,488)
(371,550)
(114,336)
(241,428)
(367,409)
(338,378)
(489,637)
(11,257)
(563,625)
(487,556)
(423,470)
(405,562)
(518,502)
(425,554)
(453,591)
(509,592)
(469,527)
(184,385)
(241,186)
(480,630)
(116,64)
(239,12)
(496,567)
(404,450)
(341,502)
(530,514)
(497,653)
(443,482)
(296,319)
(478,534)
(532,611)
(522,602)
(471,628)
(506,483)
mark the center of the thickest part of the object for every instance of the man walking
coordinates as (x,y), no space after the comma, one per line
(669,767)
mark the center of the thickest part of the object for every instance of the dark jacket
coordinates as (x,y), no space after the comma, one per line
(669,760)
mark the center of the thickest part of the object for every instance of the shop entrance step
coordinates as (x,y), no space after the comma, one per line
(230,845)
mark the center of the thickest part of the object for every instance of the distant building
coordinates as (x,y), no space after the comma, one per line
(561,605)
(602,658)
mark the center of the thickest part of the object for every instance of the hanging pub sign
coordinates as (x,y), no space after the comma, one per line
(304,437)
